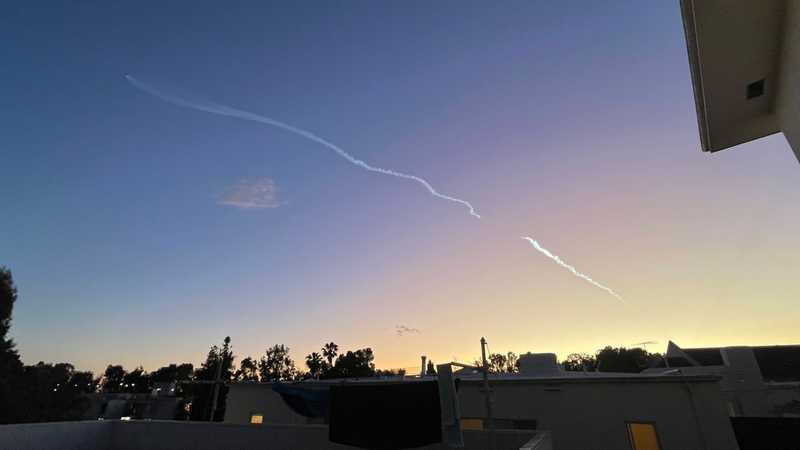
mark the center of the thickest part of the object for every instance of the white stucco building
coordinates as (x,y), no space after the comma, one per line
(579,410)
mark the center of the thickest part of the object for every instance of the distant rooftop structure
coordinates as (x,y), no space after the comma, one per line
(761,381)
(744,58)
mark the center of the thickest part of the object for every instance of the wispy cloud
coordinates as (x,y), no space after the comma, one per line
(402,330)
(251,194)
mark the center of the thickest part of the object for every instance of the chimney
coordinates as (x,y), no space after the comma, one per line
(422,370)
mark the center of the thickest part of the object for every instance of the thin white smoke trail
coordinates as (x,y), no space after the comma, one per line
(223,110)
(214,108)
(572,269)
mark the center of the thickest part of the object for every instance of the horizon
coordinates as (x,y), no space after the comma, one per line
(141,233)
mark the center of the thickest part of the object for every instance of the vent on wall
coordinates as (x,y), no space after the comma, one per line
(755,89)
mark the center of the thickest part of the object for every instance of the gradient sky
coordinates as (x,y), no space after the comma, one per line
(139,232)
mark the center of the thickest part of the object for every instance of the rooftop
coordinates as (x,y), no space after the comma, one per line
(158,435)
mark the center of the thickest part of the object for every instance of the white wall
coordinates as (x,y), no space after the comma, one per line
(580,415)
(94,435)
(248,398)
(592,415)
(172,435)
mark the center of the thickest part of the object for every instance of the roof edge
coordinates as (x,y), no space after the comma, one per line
(693,51)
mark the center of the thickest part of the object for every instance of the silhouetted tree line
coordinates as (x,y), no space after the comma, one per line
(607,359)
(41,392)
(55,392)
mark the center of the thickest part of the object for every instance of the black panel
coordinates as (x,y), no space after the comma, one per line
(705,356)
(386,416)
(779,363)
(767,433)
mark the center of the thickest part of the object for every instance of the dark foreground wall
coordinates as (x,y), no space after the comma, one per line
(89,435)
(773,433)
(163,435)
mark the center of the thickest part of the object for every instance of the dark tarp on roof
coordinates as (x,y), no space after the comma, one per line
(779,363)
(308,402)
(705,356)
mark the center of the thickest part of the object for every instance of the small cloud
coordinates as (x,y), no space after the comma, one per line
(402,330)
(251,194)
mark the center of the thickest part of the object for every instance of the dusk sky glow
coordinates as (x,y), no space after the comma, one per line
(141,233)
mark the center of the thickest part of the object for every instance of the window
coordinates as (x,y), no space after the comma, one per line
(256,419)
(471,424)
(755,89)
(643,436)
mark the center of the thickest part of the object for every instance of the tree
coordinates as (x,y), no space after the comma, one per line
(497,362)
(38,393)
(216,355)
(113,379)
(622,359)
(11,368)
(579,362)
(173,373)
(248,370)
(8,295)
(201,395)
(357,364)
(512,362)
(431,369)
(276,364)
(390,372)
(50,394)
(83,382)
(137,381)
(330,351)
(315,364)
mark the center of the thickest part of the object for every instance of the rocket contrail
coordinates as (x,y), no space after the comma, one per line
(223,110)
(574,271)
(215,108)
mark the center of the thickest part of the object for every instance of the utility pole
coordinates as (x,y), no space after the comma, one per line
(487,392)
(217,386)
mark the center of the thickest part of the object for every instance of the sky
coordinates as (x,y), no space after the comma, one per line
(141,233)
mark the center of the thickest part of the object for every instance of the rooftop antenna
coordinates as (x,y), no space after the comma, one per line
(444,373)
(644,344)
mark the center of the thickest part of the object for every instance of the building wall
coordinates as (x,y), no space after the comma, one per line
(245,399)
(593,415)
(744,391)
(580,415)
(165,435)
(94,435)
(171,435)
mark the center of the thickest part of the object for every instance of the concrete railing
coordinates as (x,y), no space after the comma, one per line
(169,435)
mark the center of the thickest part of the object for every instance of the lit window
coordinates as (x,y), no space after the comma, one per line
(471,424)
(257,419)
(643,436)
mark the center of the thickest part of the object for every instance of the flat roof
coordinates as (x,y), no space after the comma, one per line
(563,377)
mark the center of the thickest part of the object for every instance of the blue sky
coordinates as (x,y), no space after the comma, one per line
(572,122)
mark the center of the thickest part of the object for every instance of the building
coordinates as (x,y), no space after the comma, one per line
(580,410)
(755,381)
(744,58)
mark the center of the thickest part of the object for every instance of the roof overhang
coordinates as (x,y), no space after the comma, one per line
(733,45)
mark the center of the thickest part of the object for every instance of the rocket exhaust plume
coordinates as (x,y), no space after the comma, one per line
(574,271)
(214,108)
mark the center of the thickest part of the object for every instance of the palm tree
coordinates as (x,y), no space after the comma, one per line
(314,362)
(329,351)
